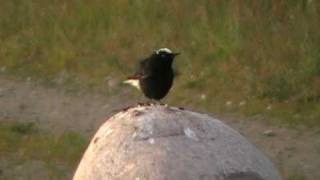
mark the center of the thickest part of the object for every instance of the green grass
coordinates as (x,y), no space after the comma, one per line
(263,52)
(296,176)
(25,142)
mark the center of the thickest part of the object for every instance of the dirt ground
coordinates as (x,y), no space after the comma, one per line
(295,151)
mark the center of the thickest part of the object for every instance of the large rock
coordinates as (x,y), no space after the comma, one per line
(166,143)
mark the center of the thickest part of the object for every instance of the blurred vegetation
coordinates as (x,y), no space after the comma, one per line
(244,57)
(296,176)
(25,142)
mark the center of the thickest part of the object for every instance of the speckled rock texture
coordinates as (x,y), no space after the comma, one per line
(166,143)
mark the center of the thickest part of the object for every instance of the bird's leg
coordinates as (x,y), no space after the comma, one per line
(155,102)
(163,104)
(149,102)
(160,102)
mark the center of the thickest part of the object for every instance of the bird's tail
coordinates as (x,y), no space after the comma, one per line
(133,81)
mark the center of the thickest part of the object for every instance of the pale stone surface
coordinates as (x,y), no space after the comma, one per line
(167,143)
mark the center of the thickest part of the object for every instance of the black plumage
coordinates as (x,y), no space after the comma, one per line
(155,74)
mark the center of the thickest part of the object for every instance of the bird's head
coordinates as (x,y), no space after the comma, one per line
(165,54)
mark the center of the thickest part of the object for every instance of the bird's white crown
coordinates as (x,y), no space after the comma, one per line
(163,50)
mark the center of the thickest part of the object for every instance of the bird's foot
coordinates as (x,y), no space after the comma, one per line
(154,102)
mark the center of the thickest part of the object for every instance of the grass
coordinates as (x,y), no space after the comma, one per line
(296,176)
(265,53)
(25,142)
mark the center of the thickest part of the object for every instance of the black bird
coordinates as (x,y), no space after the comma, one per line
(155,74)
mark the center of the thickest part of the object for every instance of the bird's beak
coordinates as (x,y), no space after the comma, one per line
(175,54)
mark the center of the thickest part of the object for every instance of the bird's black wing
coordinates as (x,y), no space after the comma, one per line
(143,70)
